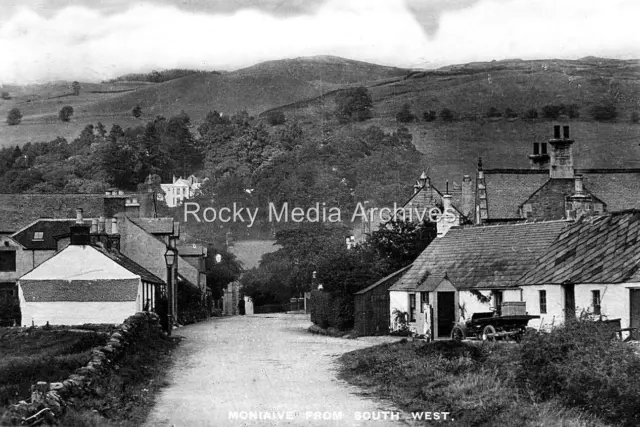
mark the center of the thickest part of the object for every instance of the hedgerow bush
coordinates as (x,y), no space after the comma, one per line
(583,366)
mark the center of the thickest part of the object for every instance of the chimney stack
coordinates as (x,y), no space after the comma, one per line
(579,187)
(113,239)
(540,157)
(467,196)
(79,219)
(561,156)
(449,217)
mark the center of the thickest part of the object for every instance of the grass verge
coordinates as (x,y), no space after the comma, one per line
(476,383)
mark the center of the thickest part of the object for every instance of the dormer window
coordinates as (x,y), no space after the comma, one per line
(38,236)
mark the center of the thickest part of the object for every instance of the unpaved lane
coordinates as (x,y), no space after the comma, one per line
(230,370)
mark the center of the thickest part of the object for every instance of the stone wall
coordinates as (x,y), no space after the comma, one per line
(49,400)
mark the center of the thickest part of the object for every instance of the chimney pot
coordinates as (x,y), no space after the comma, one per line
(565,131)
(79,216)
(556,131)
(114,226)
(536,148)
(101,222)
(579,187)
(120,193)
(94,226)
(107,193)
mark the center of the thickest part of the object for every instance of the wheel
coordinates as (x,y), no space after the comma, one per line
(457,334)
(489,333)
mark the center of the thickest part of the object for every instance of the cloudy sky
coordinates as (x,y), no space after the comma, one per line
(92,40)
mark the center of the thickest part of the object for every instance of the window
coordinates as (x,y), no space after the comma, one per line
(7,260)
(595,302)
(38,236)
(412,307)
(424,299)
(496,296)
(543,301)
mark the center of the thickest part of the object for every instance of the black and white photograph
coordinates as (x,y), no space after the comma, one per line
(230,213)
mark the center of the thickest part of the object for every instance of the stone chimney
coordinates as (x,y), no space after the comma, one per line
(113,239)
(449,218)
(79,219)
(482,212)
(580,203)
(540,157)
(114,203)
(132,207)
(467,196)
(79,232)
(561,156)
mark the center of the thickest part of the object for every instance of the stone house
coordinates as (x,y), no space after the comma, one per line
(470,269)
(553,188)
(87,281)
(593,267)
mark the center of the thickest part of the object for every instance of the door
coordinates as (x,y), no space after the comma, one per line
(446,313)
(634,298)
(569,303)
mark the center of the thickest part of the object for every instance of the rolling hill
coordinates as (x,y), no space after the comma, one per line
(305,89)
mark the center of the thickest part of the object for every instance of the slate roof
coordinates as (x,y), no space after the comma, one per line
(603,249)
(19,210)
(508,189)
(155,225)
(80,290)
(50,229)
(130,265)
(481,257)
(383,280)
(428,197)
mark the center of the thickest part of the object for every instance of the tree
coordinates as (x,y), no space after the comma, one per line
(5,95)
(14,117)
(429,116)
(604,112)
(510,114)
(531,114)
(551,111)
(493,113)
(75,86)
(275,118)
(353,105)
(405,115)
(634,117)
(446,115)
(65,113)
(137,111)
(101,129)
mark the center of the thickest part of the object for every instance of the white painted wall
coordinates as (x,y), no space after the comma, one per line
(79,262)
(75,313)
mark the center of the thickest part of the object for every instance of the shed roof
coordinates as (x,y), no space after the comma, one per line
(481,257)
(383,280)
(603,249)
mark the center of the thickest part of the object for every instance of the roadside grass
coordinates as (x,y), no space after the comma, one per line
(125,395)
(41,355)
(476,383)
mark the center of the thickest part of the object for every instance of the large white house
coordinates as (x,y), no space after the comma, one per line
(180,189)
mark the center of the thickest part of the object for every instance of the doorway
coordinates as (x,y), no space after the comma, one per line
(446,313)
(569,302)
(634,299)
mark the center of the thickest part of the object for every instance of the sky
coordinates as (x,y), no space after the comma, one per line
(94,40)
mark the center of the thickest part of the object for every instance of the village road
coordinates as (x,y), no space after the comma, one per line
(228,370)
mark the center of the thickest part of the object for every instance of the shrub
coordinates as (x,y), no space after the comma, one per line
(5,95)
(137,111)
(531,114)
(580,364)
(604,112)
(353,105)
(65,113)
(551,111)
(446,115)
(275,118)
(429,116)
(634,117)
(510,114)
(493,113)
(14,117)
(405,115)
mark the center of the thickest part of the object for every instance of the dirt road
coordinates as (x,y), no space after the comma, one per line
(263,370)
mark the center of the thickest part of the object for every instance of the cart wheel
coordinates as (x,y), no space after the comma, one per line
(489,333)
(457,334)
